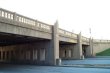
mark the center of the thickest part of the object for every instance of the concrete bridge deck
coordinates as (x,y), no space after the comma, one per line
(14,23)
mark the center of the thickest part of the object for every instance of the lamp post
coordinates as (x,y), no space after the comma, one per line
(91,41)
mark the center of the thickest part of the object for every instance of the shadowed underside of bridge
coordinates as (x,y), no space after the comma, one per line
(13,39)
(22,49)
(74,48)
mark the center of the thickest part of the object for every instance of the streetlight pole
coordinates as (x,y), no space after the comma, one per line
(91,41)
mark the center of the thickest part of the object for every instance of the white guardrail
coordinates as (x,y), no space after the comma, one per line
(85,39)
(68,34)
(28,21)
(22,19)
(104,41)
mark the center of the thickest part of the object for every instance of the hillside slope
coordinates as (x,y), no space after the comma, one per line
(104,53)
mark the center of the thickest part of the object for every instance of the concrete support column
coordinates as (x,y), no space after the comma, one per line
(9,55)
(62,53)
(34,54)
(27,54)
(31,55)
(68,53)
(21,55)
(42,54)
(72,52)
(65,53)
(15,55)
(5,55)
(53,47)
(38,55)
(1,54)
(89,50)
(78,48)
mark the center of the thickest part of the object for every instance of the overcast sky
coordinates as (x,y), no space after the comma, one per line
(73,15)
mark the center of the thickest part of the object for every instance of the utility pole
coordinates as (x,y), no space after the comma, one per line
(91,40)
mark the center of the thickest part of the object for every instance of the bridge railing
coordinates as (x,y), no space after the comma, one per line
(103,41)
(6,14)
(23,19)
(84,39)
(67,33)
(44,26)
(32,22)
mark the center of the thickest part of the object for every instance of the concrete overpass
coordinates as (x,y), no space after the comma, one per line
(26,40)
(100,45)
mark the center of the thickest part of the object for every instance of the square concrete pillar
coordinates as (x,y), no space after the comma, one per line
(77,52)
(90,49)
(28,54)
(34,54)
(62,53)
(31,55)
(9,55)
(1,53)
(38,54)
(68,53)
(52,51)
(42,54)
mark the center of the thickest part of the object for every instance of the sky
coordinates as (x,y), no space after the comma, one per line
(73,15)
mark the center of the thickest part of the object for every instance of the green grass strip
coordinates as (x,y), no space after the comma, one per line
(104,53)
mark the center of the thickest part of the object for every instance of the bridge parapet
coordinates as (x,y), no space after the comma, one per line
(101,41)
(67,34)
(6,14)
(23,19)
(85,40)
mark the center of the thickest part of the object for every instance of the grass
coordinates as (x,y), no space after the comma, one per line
(104,53)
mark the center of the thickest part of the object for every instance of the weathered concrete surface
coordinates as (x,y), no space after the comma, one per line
(100,45)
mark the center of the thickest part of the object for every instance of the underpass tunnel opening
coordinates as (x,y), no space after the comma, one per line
(66,50)
(22,49)
(85,50)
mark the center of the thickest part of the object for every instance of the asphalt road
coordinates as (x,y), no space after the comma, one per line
(98,60)
(49,69)
(9,68)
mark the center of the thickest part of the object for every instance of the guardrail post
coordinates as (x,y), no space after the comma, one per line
(36,23)
(14,16)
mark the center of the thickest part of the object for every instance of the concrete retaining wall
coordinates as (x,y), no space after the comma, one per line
(100,45)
